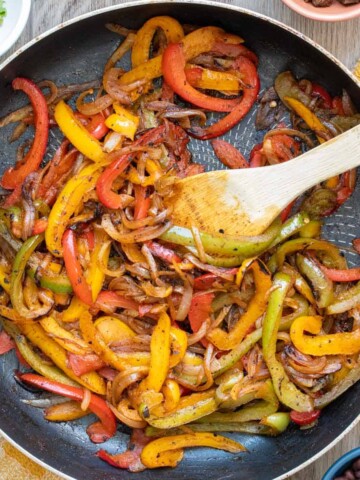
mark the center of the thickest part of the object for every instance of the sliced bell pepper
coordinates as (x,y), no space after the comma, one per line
(14,176)
(65,412)
(173,67)
(77,134)
(255,308)
(142,202)
(308,116)
(171,392)
(248,71)
(6,343)
(156,453)
(228,154)
(285,390)
(163,252)
(81,364)
(178,346)
(112,329)
(206,79)
(97,405)
(319,91)
(199,312)
(66,204)
(141,49)
(74,269)
(345,343)
(64,337)
(123,121)
(321,284)
(347,275)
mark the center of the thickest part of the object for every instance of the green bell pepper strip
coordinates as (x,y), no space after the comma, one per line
(267,405)
(222,245)
(286,391)
(300,283)
(192,410)
(226,262)
(35,361)
(292,226)
(324,289)
(252,428)
(57,284)
(16,290)
(278,421)
(297,244)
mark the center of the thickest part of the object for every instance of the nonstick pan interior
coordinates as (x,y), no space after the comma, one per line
(78,53)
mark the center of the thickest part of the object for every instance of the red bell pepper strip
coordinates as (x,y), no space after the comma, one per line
(337,105)
(39,226)
(130,459)
(31,162)
(97,405)
(319,91)
(97,126)
(173,68)
(81,364)
(142,202)
(162,252)
(257,159)
(284,215)
(228,154)
(247,69)
(104,184)
(206,281)
(6,343)
(304,418)
(112,299)
(348,275)
(199,312)
(73,268)
(97,433)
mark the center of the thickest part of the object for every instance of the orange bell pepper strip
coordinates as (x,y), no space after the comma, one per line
(141,49)
(151,455)
(207,79)
(256,307)
(308,116)
(65,412)
(171,392)
(97,405)
(346,343)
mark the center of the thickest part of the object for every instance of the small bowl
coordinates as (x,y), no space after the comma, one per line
(335,13)
(17,14)
(344,462)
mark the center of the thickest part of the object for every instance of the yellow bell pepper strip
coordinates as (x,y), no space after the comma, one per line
(207,79)
(112,329)
(286,391)
(66,204)
(35,361)
(171,392)
(94,339)
(5,278)
(77,134)
(64,337)
(252,428)
(256,307)
(152,168)
(16,288)
(94,274)
(197,42)
(321,284)
(189,408)
(141,49)
(65,412)
(308,116)
(159,355)
(222,245)
(178,346)
(345,343)
(267,405)
(150,455)
(38,337)
(123,121)
(345,300)
(74,311)
(97,405)
(243,269)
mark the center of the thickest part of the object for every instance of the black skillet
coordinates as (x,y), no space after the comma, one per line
(77,52)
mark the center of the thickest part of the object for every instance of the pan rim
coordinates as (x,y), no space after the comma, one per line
(216,4)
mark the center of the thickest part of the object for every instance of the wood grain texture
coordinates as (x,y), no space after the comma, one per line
(341,39)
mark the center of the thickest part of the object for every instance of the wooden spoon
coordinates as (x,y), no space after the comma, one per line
(246,201)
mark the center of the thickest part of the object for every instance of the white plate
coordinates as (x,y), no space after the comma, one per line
(17,14)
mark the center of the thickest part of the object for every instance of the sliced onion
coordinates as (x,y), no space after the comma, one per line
(186,299)
(124,46)
(126,420)
(113,87)
(94,107)
(86,400)
(141,235)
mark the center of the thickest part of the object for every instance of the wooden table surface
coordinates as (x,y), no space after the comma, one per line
(341,39)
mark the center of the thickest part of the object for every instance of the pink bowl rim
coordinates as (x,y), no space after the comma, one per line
(320,13)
